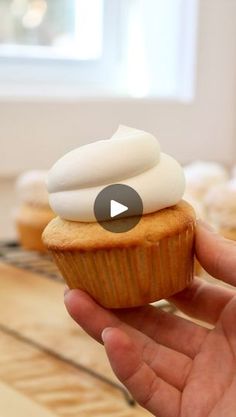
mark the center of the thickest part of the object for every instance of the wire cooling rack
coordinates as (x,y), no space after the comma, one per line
(13,254)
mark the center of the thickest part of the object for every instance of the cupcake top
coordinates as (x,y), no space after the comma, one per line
(201,176)
(31,188)
(220,203)
(131,157)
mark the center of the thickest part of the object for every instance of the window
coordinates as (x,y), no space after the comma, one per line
(135,48)
(51,29)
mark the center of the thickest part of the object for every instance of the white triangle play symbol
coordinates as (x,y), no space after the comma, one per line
(117,208)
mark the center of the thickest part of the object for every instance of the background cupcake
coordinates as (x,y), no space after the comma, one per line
(202,176)
(220,204)
(33,213)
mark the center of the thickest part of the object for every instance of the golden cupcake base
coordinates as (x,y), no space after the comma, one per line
(148,263)
(30,223)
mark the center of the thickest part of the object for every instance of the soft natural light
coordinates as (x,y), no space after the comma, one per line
(161,45)
(137,78)
(84,48)
(89,28)
(26,29)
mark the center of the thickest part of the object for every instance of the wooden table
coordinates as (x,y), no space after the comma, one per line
(36,338)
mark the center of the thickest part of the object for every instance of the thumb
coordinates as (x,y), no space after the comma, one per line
(216,254)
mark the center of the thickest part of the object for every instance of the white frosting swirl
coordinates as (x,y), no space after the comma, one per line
(31,188)
(131,157)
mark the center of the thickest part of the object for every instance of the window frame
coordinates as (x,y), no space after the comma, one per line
(40,76)
(44,77)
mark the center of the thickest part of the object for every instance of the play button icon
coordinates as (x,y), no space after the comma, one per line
(118,208)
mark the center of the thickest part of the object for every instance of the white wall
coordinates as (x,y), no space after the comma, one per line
(35,134)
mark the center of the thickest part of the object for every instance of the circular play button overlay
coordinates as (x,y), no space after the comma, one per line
(118,208)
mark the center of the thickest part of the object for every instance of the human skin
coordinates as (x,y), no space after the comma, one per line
(171,366)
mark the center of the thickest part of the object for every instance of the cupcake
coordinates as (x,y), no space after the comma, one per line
(200,214)
(220,205)
(201,176)
(33,213)
(151,261)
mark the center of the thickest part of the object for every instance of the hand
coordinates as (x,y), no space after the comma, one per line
(171,366)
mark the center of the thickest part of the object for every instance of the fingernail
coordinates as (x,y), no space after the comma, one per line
(206,226)
(105,333)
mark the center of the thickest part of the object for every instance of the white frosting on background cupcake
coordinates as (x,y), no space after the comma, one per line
(131,157)
(220,203)
(201,176)
(32,189)
(196,204)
